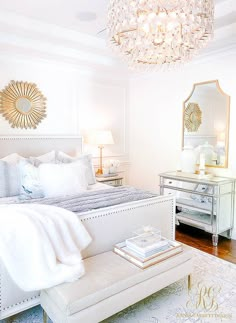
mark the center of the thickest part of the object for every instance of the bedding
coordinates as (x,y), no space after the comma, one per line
(49,157)
(30,186)
(12,158)
(40,245)
(15,199)
(96,199)
(63,179)
(9,179)
(23,176)
(85,159)
(52,179)
(43,237)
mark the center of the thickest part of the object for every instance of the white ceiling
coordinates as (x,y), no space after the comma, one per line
(52,29)
(64,13)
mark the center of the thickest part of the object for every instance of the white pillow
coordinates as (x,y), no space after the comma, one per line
(46,158)
(9,179)
(86,160)
(13,158)
(30,182)
(63,179)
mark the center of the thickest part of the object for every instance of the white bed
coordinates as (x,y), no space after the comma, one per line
(107,226)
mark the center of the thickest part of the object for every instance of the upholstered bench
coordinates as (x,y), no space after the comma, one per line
(111,284)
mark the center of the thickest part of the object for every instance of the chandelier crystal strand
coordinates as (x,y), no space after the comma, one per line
(155,33)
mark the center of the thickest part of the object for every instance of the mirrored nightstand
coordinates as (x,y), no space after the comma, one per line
(111,180)
(205,203)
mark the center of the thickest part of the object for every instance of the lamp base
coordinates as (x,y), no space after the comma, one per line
(99,171)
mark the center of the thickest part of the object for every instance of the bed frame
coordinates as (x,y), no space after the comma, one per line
(107,226)
(38,145)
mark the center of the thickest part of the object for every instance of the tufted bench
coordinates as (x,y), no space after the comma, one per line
(111,284)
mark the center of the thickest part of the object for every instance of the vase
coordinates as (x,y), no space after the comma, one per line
(208,151)
(188,160)
(113,170)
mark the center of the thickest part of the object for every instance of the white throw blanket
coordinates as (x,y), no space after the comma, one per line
(40,245)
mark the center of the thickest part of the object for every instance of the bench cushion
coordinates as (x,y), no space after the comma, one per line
(107,274)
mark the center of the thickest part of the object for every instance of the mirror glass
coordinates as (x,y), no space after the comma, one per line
(206,123)
(23,105)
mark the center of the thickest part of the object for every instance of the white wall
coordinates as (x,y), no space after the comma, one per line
(77,100)
(156,118)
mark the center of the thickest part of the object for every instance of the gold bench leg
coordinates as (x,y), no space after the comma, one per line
(189,281)
(45,317)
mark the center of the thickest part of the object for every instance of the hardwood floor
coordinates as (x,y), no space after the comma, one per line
(199,239)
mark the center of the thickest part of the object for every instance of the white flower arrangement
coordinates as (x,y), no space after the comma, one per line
(110,166)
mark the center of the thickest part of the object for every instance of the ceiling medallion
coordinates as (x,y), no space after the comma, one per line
(192,117)
(154,33)
(22,104)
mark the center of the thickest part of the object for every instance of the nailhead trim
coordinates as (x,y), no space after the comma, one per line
(129,209)
(84,220)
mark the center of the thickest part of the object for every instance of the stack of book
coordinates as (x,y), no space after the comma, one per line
(146,250)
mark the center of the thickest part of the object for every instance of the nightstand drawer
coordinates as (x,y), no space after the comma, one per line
(170,182)
(113,181)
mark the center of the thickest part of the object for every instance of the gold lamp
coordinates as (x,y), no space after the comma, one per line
(101,138)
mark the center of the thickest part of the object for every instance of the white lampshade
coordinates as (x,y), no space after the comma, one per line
(101,137)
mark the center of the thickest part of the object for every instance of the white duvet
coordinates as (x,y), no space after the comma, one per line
(40,245)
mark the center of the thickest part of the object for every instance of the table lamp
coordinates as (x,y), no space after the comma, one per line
(101,138)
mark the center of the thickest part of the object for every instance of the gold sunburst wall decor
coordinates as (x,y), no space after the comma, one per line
(192,117)
(22,104)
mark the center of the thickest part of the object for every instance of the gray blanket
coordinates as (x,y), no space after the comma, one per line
(92,200)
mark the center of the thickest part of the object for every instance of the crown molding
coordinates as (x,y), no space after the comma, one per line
(21,25)
(32,39)
(35,40)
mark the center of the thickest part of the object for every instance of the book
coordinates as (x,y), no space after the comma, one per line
(122,250)
(144,243)
(151,252)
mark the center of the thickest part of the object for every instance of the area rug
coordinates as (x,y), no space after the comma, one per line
(211,299)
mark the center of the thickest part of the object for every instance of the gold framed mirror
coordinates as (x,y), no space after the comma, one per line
(206,114)
(22,104)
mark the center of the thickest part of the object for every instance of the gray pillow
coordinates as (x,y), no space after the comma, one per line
(9,179)
(86,161)
(30,181)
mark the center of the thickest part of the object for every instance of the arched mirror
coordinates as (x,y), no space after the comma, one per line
(206,123)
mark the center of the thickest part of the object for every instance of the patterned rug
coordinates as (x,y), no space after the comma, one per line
(211,299)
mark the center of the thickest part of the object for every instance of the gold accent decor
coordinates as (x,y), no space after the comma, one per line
(189,282)
(216,136)
(192,117)
(45,317)
(100,138)
(150,34)
(22,104)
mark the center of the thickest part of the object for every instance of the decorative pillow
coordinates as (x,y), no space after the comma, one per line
(9,179)
(46,158)
(30,181)
(63,179)
(13,158)
(203,188)
(86,160)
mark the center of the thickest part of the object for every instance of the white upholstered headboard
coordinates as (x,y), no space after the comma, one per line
(37,145)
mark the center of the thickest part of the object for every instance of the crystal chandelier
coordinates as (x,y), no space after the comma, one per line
(154,33)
